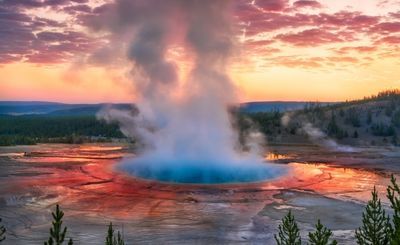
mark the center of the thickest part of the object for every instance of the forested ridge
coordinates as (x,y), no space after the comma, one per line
(32,129)
(372,120)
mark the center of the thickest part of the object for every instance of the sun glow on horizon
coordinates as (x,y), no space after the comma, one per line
(288,50)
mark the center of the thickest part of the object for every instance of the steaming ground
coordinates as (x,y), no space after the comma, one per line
(197,171)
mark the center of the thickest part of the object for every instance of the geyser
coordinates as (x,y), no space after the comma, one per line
(201,170)
(183,125)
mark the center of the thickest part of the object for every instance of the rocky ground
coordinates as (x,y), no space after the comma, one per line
(332,186)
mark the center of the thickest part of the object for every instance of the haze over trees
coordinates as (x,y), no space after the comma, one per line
(373,120)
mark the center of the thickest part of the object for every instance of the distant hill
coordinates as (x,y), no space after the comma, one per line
(17,108)
(370,121)
(373,120)
(29,107)
(268,106)
(87,110)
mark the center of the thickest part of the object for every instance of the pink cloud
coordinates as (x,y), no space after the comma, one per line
(310,37)
(395,15)
(346,59)
(294,61)
(348,20)
(307,3)
(274,21)
(391,40)
(272,5)
(387,27)
(359,49)
(23,38)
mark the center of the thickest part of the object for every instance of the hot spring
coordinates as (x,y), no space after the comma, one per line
(193,171)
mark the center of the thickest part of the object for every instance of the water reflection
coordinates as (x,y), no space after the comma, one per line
(272,156)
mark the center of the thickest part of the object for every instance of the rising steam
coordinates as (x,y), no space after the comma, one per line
(186,136)
(316,135)
(320,138)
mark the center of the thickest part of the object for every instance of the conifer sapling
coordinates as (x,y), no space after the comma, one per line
(2,232)
(289,233)
(111,239)
(393,194)
(57,233)
(321,235)
(376,228)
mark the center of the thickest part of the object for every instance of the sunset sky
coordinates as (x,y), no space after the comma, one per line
(325,50)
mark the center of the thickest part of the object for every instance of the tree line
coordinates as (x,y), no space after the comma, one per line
(32,129)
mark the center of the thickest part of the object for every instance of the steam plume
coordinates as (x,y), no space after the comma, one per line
(316,135)
(189,139)
(319,137)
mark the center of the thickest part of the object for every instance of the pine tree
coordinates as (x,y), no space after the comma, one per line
(321,236)
(289,233)
(369,117)
(333,128)
(2,232)
(376,228)
(120,241)
(57,234)
(111,239)
(393,194)
(110,235)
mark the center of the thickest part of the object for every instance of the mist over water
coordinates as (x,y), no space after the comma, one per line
(184,127)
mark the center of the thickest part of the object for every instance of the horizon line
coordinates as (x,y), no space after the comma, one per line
(97,103)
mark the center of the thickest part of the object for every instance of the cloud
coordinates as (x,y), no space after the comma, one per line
(345,59)
(269,22)
(346,19)
(81,8)
(34,3)
(27,37)
(295,62)
(390,40)
(311,62)
(386,27)
(272,5)
(26,32)
(358,49)
(307,3)
(395,15)
(311,37)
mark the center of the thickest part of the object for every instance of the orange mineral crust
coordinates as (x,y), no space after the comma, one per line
(87,179)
